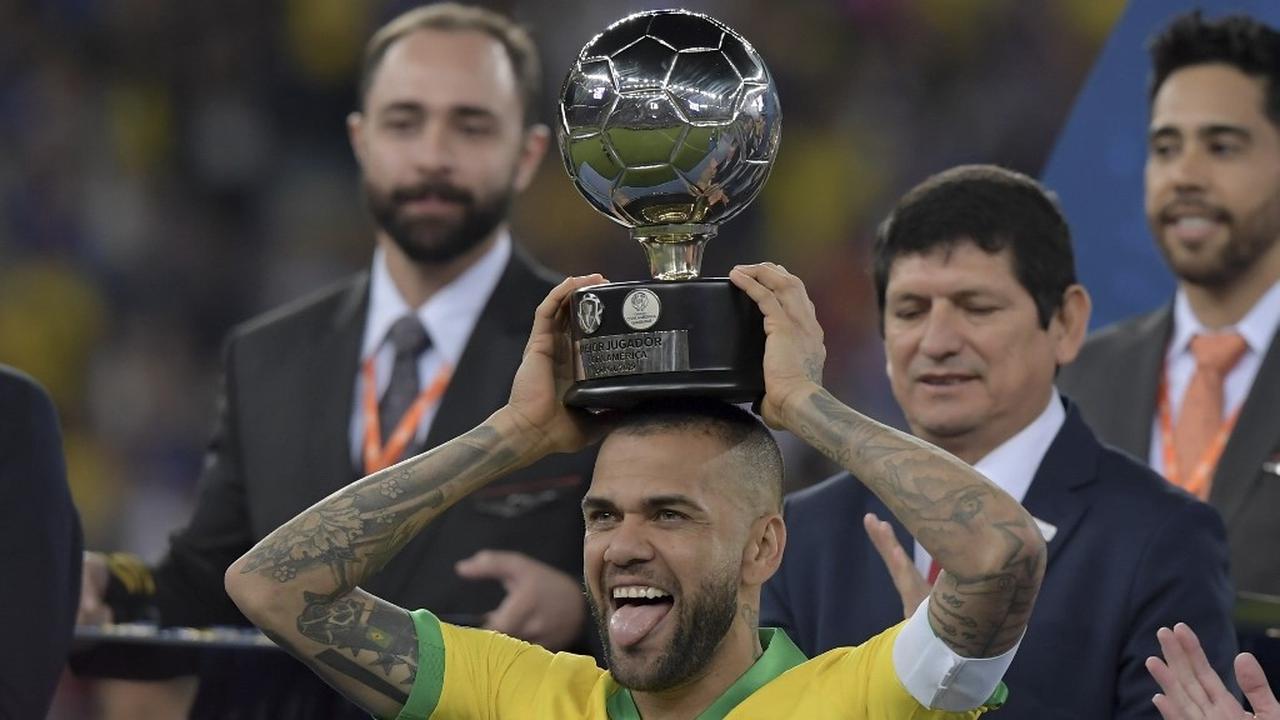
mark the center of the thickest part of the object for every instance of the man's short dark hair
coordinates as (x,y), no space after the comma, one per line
(993,208)
(521,51)
(1240,41)
(737,429)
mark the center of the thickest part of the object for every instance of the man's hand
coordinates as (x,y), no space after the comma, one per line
(912,588)
(543,605)
(545,372)
(93,591)
(793,349)
(1193,691)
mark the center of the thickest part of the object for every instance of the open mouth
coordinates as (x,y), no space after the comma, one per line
(637,611)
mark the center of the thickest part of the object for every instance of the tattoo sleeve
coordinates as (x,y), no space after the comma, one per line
(357,530)
(991,552)
(301,580)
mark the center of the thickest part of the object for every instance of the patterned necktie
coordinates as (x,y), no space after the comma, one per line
(410,340)
(1201,415)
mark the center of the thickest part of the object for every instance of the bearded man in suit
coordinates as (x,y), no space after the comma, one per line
(1193,387)
(382,366)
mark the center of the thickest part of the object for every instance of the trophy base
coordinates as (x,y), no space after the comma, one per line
(638,341)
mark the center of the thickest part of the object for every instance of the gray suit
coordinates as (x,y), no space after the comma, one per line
(1115,381)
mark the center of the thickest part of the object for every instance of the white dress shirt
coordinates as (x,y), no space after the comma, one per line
(1257,327)
(931,671)
(448,316)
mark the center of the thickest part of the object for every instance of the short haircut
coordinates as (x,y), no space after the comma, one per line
(741,432)
(522,52)
(1251,47)
(993,208)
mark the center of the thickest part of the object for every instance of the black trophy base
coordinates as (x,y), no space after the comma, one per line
(638,341)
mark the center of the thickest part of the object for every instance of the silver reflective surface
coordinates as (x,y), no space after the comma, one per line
(669,118)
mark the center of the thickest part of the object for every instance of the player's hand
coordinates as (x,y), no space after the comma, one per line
(544,375)
(912,588)
(1193,691)
(93,591)
(543,605)
(793,349)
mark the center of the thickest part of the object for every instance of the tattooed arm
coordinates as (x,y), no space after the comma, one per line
(990,550)
(299,584)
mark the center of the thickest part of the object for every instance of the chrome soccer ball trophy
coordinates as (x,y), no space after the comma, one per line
(669,124)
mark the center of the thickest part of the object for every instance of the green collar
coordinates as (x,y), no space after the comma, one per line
(779,656)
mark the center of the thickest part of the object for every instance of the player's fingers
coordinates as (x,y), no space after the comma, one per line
(1254,684)
(745,277)
(788,288)
(548,317)
(546,311)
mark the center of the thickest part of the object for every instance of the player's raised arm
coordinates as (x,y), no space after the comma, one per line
(991,552)
(299,584)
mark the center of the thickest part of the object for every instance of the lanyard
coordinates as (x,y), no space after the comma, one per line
(376,455)
(1197,482)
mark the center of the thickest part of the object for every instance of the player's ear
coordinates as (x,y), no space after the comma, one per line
(763,553)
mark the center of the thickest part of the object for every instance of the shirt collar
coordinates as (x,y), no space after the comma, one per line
(779,656)
(1257,327)
(1012,465)
(448,315)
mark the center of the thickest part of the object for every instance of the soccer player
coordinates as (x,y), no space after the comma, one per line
(683,526)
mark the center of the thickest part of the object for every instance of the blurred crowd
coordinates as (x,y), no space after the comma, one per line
(170,169)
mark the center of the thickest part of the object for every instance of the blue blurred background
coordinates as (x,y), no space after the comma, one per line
(1096,164)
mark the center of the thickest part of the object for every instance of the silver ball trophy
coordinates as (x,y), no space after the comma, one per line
(669,124)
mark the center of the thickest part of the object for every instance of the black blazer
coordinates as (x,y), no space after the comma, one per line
(1115,380)
(1130,553)
(282,443)
(40,549)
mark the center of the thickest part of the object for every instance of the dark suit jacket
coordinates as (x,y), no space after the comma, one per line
(282,443)
(40,549)
(1131,553)
(1115,380)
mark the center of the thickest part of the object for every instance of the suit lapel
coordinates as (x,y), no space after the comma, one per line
(482,381)
(331,380)
(1070,463)
(1136,397)
(1256,435)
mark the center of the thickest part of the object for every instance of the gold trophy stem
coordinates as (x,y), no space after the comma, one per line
(674,251)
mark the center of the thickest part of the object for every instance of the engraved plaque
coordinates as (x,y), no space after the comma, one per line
(631,354)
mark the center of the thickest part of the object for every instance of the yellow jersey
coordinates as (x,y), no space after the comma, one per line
(472,674)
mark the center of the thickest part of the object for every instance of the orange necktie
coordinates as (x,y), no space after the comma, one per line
(1201,416)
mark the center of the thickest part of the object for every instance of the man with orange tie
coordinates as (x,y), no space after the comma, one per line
(1194,387)
(979,306)
(386,364)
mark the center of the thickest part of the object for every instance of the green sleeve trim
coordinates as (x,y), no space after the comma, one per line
(998,697)
(428,684)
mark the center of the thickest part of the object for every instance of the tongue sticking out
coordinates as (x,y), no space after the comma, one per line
(631,623)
